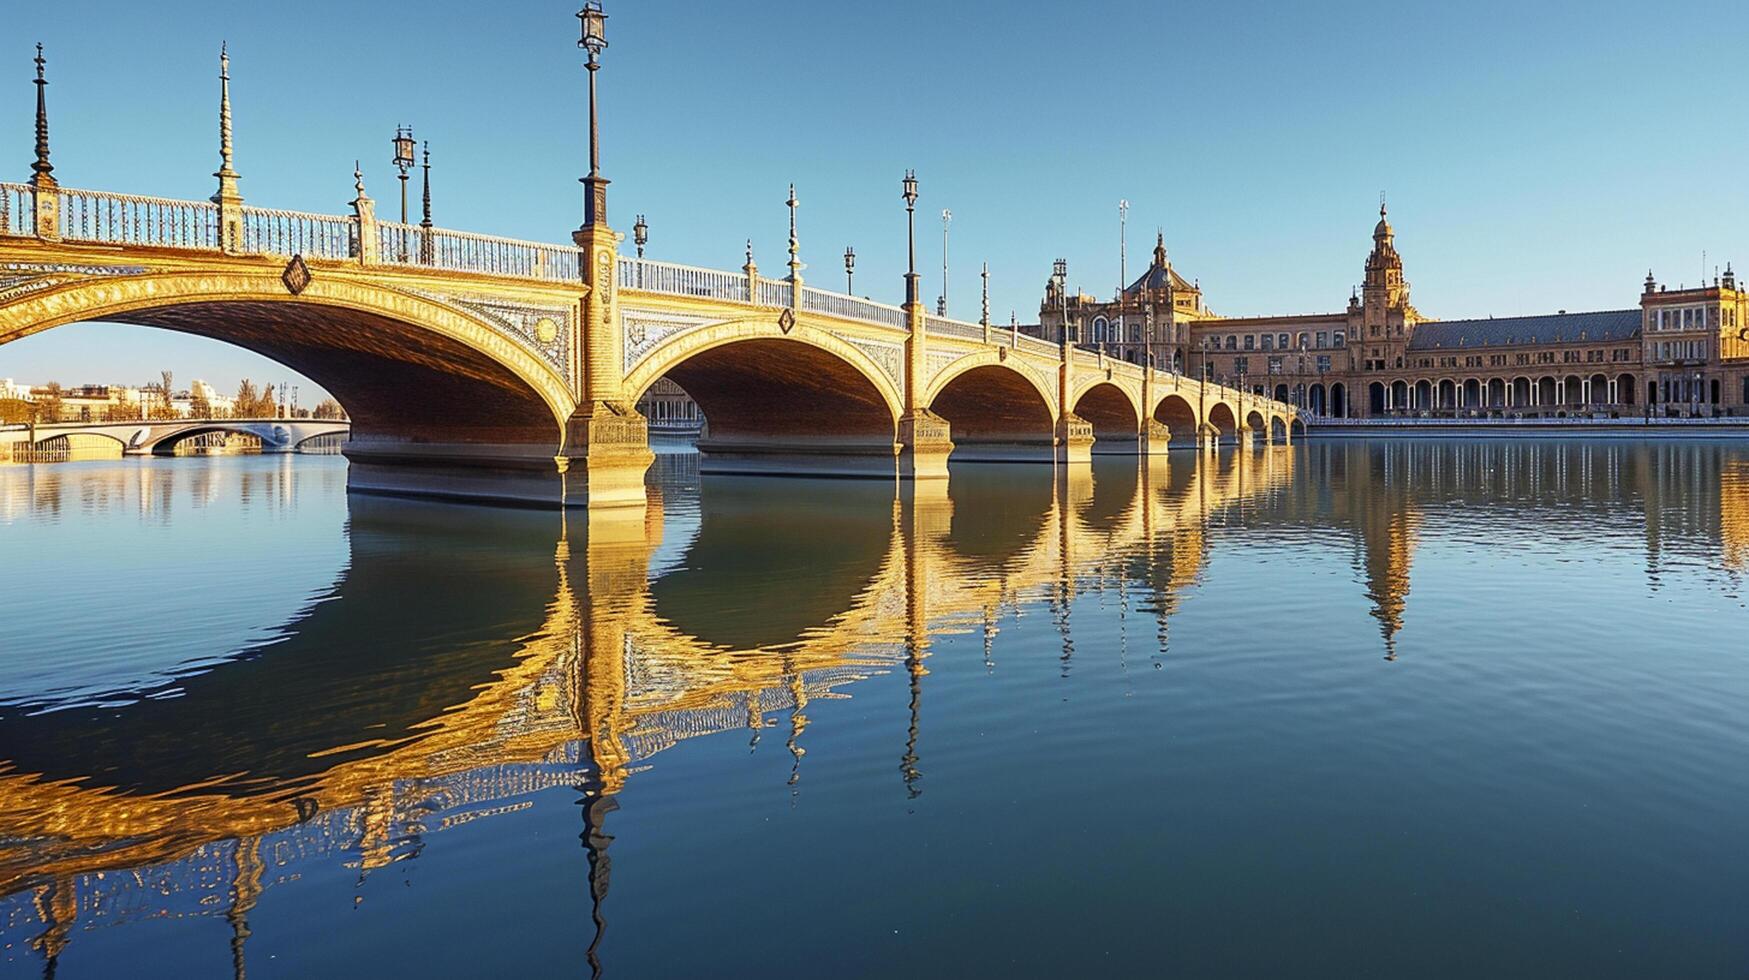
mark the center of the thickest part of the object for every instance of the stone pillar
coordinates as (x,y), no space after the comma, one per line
(606,448)
(47,197)
(1155,438)
(1244,437)
(925,439)
(229,198)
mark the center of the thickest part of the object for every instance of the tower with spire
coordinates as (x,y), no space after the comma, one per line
(1383,320)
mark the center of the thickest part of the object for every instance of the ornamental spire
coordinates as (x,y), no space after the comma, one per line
(425,222)
(795,248)
(225,113)
(43,169)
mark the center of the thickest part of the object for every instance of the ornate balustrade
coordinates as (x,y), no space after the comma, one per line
(651,276)
(460,251)
(127,219)
(1035,345)
(317,236)
(943,327)
(774,292)
(851,307)
(17,210)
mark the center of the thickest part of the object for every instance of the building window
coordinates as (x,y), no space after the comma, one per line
(1268,342)
(1338,339)
(1232,342)
(1250,341)
(1322,337)
(1323,362)
(1274,363)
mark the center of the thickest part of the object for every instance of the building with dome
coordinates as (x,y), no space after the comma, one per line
(1682,352)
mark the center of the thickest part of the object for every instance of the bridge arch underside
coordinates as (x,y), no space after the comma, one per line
(1224,423)
(431,415)
(784,406)
(996,416)
(1178,415)
(1113,416)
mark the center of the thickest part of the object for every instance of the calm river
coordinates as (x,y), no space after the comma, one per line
(1433,709)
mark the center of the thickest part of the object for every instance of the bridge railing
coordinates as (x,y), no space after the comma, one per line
(1035,345)
(851,307)
(128,219)
(317,236)
(681,280)
(460,251)
(774,292)
(17,210)
(944,327)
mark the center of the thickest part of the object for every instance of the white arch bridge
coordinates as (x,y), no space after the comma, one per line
(160,437)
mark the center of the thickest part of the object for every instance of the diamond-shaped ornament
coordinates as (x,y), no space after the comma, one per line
(786,320)
(296,275)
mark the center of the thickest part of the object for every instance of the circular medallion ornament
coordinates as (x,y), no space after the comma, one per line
(546,330)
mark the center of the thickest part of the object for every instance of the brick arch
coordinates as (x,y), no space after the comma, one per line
(988,358)
(675,351)
(399,361)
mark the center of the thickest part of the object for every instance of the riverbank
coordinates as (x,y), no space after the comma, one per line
(1540,428)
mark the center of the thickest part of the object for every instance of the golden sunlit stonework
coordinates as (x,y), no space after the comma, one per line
(604,682)
(494,369)
(1682,352)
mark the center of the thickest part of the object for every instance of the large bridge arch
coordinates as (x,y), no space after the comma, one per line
(1224,420)
(1113,412)
(997,413)
(1180,418)
(801,400)
(406,366)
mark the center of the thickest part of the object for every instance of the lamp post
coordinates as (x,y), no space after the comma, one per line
(640,235)
(849,270)
(1123,266)
(594,40)
(1060,272)
(403,162)
(946,219)
(910,195)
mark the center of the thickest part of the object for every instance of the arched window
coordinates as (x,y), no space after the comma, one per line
(1099,330)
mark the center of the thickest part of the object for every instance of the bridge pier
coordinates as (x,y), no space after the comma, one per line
(1155,439)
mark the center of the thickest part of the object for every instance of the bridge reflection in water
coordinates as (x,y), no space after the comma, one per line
(731,610)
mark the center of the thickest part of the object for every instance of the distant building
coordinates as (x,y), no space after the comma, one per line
(670,410)
(1682,352)
(12,391)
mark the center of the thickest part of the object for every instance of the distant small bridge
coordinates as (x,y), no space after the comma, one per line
(160,437)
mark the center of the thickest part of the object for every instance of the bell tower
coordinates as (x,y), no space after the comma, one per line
(1386,318)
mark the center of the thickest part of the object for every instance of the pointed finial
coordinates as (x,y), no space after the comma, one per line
(426,220)
(1381,204)
(227,176)
(794,245)
(42,167)
(749,251)
(358,178)
(985,319)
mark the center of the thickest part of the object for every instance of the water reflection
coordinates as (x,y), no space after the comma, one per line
(467,659)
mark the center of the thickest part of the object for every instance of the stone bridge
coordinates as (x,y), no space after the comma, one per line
(159,436)
(495,369)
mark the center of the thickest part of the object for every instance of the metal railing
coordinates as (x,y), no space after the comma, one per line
(317,236)
(851,307)
(461,251)
(680,280)
(943,327)
(774,292)
(1034,345)
(127,219)
(17,210)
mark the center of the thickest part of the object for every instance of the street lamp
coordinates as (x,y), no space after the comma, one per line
(849,269)
(641,235)
(403,161)
(594,40)
(1060,272)
(911,236)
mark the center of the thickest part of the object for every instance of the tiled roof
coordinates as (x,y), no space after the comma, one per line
(1608,326)
(1155,278)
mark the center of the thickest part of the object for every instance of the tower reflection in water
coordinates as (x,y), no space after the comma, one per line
(464,665)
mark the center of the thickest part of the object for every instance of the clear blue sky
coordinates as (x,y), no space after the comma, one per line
(1537,156)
